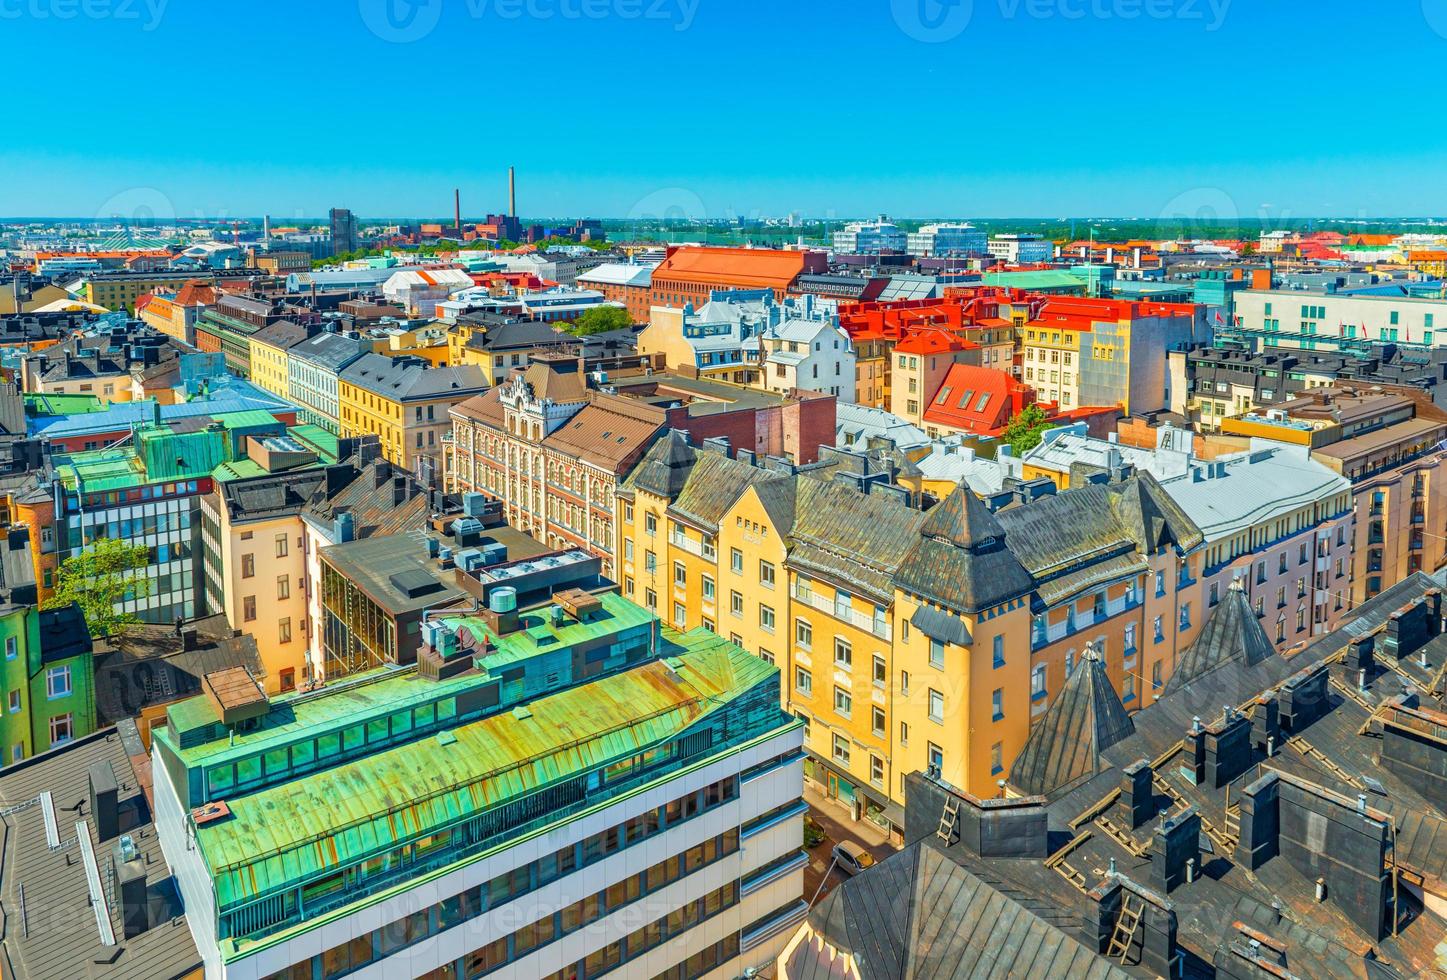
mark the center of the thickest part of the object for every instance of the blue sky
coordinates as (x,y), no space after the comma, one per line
(724,107)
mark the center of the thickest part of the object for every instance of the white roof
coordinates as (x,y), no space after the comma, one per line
(855,424)
(1230,494)
(620,274)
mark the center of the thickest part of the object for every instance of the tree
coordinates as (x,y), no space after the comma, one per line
(1023,431)
(98,578)
(600,319)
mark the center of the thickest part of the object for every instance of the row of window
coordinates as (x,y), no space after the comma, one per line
(467,905)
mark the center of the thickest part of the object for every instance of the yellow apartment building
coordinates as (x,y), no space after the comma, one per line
(911,640)
(269,354)
(404,401)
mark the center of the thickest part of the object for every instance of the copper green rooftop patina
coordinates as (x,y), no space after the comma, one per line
(338,796)
(339,816)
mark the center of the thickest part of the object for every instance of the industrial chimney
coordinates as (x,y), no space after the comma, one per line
(512,197)
(457,208)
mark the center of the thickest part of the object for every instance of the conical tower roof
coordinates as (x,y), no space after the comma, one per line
(1231,633)
(1084,720)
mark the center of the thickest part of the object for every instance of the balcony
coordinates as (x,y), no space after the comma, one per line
(1042,635)
(876,625)
(685,543)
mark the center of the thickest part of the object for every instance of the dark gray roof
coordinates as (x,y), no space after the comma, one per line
(664,469)
(1230,634)
(282,333)
(329,351)
(852,539)
(968,577)
(267,497)
(403,379)
(62,938)
(150,665)
(919,914)
(520,335)
(940,625)
(1084,720)
(714,483)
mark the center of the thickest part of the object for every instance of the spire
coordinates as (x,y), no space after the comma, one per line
(1084,720)
(963,520)
(665,468)
(1230,634)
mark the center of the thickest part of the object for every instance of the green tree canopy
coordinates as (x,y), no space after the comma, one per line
(1023,431)
(98,578)
(601,319)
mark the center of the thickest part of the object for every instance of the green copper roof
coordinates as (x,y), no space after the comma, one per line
(38,404)
(100,470)
(239,469)
(1035,279)
(538,635)
(318,438)
(333,818)
(168,455)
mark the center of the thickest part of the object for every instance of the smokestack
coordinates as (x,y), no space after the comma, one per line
(457,208)
(512,196)
(266,227)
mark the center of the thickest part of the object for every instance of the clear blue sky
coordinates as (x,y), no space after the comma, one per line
(618,107)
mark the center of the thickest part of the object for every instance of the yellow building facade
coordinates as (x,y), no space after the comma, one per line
(911,640)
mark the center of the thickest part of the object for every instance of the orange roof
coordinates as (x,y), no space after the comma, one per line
(196,293)
(1082,313)
(979,400)
(755,267)
(932,342)
(1427,255)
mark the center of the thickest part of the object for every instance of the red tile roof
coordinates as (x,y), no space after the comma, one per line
(978,400)
(739,267)
(933,342)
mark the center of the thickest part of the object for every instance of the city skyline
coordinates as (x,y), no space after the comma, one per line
(993,108)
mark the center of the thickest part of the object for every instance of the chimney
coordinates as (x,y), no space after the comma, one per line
(135,907)
(104,800)
(1176,841)
(457,208)
(190,638)
(1359,655)
(1152,945)
(399,490)
(512,200)
(1137,794)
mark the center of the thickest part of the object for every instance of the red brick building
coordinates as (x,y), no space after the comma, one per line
(690,273)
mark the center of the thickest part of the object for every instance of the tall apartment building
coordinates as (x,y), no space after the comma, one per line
(559,787)
(1271,516)
(343,230)
(1079,351)
(313,371)
(404,401)
(911,639)
(1387,442)
(554,450)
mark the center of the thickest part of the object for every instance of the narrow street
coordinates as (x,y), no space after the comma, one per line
(832,818)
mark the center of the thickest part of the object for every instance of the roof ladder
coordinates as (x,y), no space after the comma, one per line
(1126,927)
(946,831)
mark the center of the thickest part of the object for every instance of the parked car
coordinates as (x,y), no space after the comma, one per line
(851,858)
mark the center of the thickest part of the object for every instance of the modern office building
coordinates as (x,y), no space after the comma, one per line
(1350,319)
(344,230)
(870,237)
(558,786)
(947,241)
(1021,248)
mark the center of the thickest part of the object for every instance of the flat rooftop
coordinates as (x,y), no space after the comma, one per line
(56,934)
(335,817)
